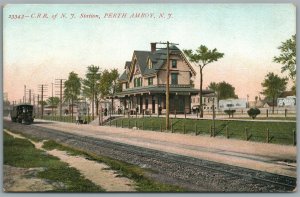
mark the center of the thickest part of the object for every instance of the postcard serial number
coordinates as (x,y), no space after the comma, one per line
(16,16)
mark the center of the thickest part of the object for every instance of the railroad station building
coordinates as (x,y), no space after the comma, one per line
(144,82)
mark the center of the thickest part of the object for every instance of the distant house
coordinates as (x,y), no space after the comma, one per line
(208,101)
(144,81)
(232,104)
(286,99)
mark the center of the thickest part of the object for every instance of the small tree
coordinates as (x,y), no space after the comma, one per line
(53,102)
(72,89)
(287,58)
(202,57)
(230,112)
(273,86)
(253,112)
(90,86)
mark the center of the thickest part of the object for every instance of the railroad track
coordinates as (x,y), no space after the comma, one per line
(201,175)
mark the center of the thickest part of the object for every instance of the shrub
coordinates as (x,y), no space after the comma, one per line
(230,112)
(253,112)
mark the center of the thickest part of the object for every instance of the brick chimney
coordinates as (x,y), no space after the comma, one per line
(153,47)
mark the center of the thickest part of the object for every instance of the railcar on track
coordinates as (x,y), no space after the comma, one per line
(22,113)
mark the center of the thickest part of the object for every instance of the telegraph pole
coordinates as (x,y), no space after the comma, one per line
(42,88)
(24,98)
(59,83)
(38,103)
(30,96)
(52,99)
(168,89)
(168,84)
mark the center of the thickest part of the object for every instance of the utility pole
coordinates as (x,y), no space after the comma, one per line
(38,103)
(52,99)
(30,96)
(168,89)
(59,83)
(24,98)
(42,88)
(168,84)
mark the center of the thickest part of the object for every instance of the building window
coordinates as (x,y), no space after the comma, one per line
(150,81)
(137,82)
(174,63)
(150,64)
(174,78)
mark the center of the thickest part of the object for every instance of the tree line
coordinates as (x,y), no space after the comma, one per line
(273,85)
(98,84)
(94,86)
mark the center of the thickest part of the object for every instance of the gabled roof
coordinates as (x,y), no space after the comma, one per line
(287,93)
(158,59)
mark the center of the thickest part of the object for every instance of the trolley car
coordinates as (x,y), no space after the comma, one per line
(22,113)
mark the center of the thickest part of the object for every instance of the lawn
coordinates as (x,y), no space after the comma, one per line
(22,153)
(130,171)
(275,132)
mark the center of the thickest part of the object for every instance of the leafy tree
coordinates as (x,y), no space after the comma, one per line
(202,57)
(109,84)
(273,86)
(72,89)
(223,90)
(91,86)
(226,91)
(53,102)
(230,112)
(287,58)
(253,112)
(42,103)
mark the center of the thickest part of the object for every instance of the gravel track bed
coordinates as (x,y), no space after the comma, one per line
(191,173)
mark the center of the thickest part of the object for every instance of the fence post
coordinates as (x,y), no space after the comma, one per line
(122,123)
(116,123)
(175,113)
(246,133)
(171,127)
(135,124)
(195,129)
(268,133)
(160,127)
(143,112)
(226,129)
(294,137)
(110,122)
(152,128)
(184,114)
(143,125)
(285,112)
(267,113)
(210,130)
(128,123)
(183,127)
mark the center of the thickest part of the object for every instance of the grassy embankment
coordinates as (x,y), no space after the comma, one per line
(279,132)
(21,153)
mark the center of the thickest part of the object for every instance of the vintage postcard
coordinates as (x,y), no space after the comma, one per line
(149,98)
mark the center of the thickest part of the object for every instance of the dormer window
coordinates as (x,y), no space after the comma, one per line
(150,66)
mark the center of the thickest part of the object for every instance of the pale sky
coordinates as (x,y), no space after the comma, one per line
(37,51)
